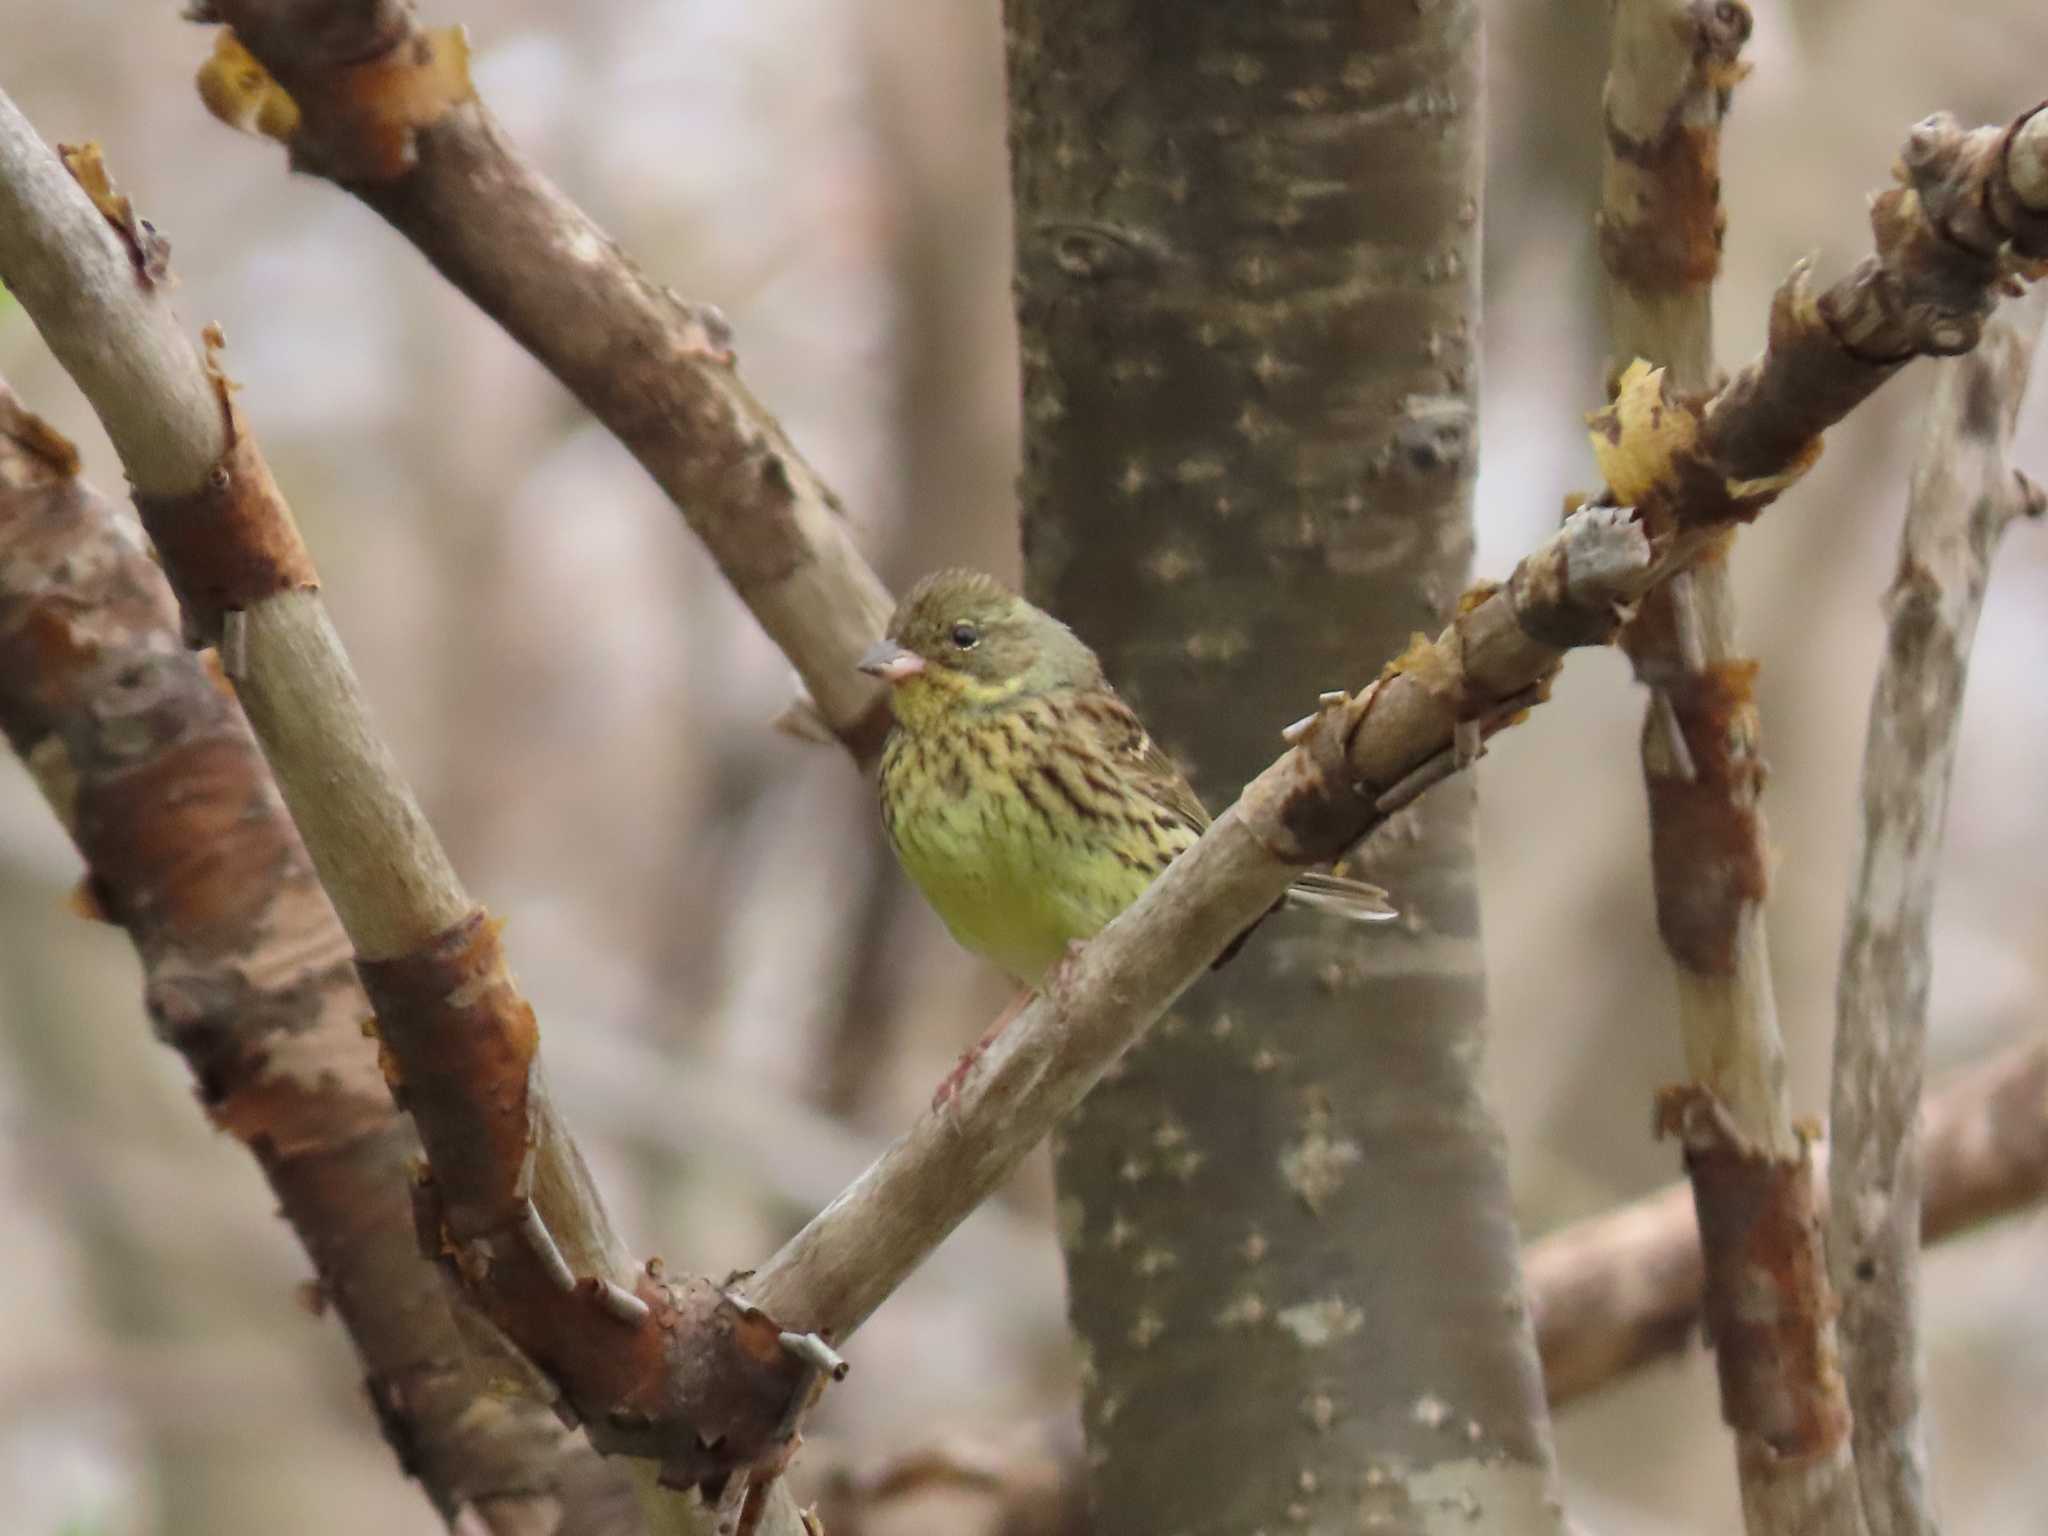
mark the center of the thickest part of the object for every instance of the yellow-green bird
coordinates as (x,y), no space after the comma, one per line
(1022,795)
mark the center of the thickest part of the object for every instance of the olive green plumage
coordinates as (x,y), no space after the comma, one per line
(1021,794)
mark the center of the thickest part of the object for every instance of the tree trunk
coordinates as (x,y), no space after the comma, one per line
(1247,247)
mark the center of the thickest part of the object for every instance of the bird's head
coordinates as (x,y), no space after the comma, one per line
(961,640)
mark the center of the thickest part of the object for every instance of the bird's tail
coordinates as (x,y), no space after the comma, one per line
(1352,899)
(1319,892)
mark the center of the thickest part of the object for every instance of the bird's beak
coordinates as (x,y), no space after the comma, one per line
(890,662)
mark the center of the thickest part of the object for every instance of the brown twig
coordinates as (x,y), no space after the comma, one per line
(1964,494)
(152,769)
(1674,63)
(656,370)
(671,1370)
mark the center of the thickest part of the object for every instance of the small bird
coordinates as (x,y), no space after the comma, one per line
(1022,795)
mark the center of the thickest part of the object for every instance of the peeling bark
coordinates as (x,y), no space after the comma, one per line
(149,764)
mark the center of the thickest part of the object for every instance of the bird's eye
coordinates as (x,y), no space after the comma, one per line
(965,637)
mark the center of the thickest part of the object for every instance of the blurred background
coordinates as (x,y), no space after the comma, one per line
(694,899)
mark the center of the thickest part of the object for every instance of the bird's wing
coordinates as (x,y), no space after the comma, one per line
(1123,740)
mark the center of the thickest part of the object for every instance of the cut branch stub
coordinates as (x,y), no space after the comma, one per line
(1760,1231)
(706,1363)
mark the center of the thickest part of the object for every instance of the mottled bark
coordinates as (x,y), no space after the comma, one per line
(1247,289)
(668,1370)
(1674,63)
(1618,1290)
(152,769)
(1964,494)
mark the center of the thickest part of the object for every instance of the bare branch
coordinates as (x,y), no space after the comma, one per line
(1689,468)
(1620,1289)
(1029,1482)
(154,774)
(1964,494)
(656,370)
(1611,1294)
(510,1206)
(1674,63)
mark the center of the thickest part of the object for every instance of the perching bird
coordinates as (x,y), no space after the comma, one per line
(1022,795)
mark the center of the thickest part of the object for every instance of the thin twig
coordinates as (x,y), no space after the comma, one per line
(1964,494)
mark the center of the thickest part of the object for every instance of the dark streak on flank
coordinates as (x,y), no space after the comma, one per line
(1024,788)
(1058,781)
(956,776)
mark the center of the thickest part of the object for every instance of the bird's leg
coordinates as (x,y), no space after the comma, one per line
(954,1078)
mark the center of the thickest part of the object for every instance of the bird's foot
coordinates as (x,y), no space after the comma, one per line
(948,1090)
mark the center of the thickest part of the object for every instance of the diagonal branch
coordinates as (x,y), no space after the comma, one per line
(657,371)
(1964,494)
(1610,1294)
(152,770)
(672,1370)
(1687,469)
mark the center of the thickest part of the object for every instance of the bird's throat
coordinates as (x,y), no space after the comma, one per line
(939,699)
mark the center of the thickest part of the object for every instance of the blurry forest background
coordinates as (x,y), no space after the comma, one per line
(742,999)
